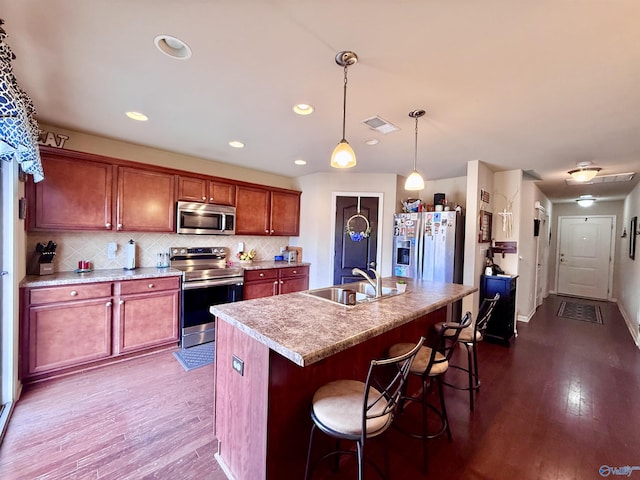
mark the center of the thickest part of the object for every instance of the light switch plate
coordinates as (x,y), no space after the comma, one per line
(112,248)
(237,364)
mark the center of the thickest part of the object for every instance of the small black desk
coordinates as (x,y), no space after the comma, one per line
(501,326)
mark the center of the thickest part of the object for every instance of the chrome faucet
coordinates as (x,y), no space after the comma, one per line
(377,285)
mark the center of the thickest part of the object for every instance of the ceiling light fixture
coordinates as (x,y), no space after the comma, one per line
(140,117)
(172,47)
(372,141)
(584,172)
(343,155)
(300,162)
(586,200)
(303,109)
(414,180)
(236,144)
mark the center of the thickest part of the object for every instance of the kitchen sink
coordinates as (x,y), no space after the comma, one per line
(364,293)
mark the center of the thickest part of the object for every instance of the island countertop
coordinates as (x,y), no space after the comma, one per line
(306,329)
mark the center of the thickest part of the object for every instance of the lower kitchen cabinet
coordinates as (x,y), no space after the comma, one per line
(275,281)
(147,313)
(65,327)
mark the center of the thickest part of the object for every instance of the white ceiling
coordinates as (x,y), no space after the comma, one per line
(535,85)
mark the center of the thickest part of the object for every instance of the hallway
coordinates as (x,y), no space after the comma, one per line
(557,404)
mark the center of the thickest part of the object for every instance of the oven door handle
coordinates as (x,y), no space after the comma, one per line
(212,283)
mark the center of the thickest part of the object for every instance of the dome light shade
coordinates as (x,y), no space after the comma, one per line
(414,182)
(343,155)
(584,172)
(585,202)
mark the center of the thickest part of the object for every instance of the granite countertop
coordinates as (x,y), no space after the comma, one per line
(306,329)
(106,275)
(264,264)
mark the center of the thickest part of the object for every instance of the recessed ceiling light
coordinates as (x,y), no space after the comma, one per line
(172,47)
(300,162)
(236,144)
(372,141)
(303,109)
(140,117)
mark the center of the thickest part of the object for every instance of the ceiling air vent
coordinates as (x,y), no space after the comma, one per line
(616,177)
(380,125)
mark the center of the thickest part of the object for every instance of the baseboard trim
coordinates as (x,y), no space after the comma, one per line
(225,468)
(633,329)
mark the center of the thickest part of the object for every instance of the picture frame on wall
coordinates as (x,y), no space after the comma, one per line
(484,231)
(633,229)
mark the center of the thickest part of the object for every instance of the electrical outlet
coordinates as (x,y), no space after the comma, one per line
(237,365)
(112,247)
(283,249)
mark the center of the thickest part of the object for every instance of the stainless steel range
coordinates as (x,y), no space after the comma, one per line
(206,281)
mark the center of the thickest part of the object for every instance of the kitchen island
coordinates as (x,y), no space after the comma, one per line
(273,353)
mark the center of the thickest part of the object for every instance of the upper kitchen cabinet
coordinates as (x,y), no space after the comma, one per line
(145,200)
(76,194)
(194,189)
(261,211)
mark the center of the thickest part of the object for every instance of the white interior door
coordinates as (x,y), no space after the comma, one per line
(584,256)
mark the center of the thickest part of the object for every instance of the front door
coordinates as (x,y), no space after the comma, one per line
(352,251)
(584,263)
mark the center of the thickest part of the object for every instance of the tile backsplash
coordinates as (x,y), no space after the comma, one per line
(92,246)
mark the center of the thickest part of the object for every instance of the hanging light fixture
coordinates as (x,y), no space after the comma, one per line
(584,172)
(343,155)
(586,200)
(414,180)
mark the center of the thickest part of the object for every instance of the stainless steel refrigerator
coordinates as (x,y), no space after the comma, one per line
(429,246)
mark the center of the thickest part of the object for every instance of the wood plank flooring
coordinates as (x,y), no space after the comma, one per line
(558,404)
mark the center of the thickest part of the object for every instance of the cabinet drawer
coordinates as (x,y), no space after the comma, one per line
(69,292)
(264,274)
(294,272)
(131,287)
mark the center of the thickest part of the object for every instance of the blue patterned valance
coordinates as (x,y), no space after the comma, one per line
(18,127)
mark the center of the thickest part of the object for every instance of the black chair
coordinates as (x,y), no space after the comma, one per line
(357,411)
(430,364)
(469,337)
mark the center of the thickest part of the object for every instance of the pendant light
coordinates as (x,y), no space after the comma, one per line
(343,155)
(415,181)
(585,172)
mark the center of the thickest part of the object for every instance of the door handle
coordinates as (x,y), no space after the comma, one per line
(3,273)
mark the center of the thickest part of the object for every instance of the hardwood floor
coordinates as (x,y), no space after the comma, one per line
(558,404)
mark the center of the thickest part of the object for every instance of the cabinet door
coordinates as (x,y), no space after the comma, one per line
(285,213)
(145,200)
(191,189)
(68,334)
(75,195)
(267,288)
(147,320)
(294,284)
(222,193)
(252,211)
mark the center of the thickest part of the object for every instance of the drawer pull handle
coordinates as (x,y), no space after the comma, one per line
(151,285)
(261,275)
(295,271)
(73,293)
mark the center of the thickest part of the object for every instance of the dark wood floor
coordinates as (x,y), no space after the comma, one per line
(558,404)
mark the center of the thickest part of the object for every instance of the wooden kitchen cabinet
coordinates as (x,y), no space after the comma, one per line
(147,312)
(145,200)
(67,326)
(193,189)
(263,211)
(275,281)
(76,194)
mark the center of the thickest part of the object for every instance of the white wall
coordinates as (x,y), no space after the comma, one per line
(316,222)
(627,275)
(455,190)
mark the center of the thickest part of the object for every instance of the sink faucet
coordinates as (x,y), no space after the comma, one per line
(377,285)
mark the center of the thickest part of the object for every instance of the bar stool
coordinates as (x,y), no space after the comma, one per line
(357,411)
(430,364)
(469,337)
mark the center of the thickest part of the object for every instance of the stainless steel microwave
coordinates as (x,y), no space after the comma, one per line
(205,219)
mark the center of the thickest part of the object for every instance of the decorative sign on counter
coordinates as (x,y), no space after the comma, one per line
(52,139)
